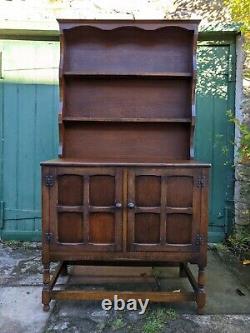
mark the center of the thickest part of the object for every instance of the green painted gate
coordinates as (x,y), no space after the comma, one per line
(28,110)
(29,107)
(214,133)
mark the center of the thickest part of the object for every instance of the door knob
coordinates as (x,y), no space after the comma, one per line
(118,205)
(131,205)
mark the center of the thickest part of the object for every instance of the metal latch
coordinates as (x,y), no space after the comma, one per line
(199,240)
(49,180)
(201,181)
(48,237)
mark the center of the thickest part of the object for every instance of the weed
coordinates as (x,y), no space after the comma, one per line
(153,326)
(117,323)
(239,243)
(156,320)
(15,244)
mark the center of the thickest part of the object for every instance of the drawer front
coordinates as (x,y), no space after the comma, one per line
(164,209)
(85,209)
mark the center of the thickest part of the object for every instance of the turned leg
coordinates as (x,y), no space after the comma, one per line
(46,290)
(201,294)
(182,272)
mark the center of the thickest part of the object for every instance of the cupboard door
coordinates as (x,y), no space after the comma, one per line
(163,209)
(86,209)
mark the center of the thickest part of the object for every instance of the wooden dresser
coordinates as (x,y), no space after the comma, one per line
(126,190)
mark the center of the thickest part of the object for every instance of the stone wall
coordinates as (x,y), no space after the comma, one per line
(242,171)
(213,13)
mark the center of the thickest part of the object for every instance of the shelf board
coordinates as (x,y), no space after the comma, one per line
(141,120)
(150,161)
(134,75)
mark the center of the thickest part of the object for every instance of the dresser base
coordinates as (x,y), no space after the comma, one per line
(198,295)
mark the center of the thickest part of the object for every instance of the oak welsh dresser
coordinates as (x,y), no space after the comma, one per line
(125,189)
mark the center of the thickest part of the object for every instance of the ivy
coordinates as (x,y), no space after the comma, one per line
(243,147)
(240,10)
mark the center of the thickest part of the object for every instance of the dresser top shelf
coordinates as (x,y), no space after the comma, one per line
(127,91)
(142,24)
(156,75)
(119,162)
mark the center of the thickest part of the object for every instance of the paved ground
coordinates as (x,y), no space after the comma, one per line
(227,310)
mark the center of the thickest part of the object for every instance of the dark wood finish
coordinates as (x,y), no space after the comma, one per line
(86,219)
(170,48)
(153,296)
(127,98)
(126,295)
(116,70)
(128,141)
(126,190)
(166,212)
(153,162)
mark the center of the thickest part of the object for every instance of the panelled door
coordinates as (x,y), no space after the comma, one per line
(86,209)
(164,207)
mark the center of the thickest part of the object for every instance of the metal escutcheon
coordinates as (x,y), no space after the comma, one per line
(131,205)
(118,205)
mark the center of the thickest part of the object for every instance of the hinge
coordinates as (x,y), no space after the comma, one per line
(48,237)
(49,180)
(1,214)
(199,240)
(201,181)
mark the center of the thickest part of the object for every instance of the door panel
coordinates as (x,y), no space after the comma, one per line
(147,228)
(97,185)
(179,229)
(180,191)
(164,209)
(102,228)
(84,211)
(143,197)
(70,228)
(70,190)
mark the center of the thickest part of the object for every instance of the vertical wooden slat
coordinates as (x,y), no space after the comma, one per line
(194,69)
(11,128)
(53,198)
(43,120)
(131,212)
(45,216)
(118,211)
(125,212)
(62,94)
(163,210)
(204,216)
(196,203)
(86,209)
(26,153)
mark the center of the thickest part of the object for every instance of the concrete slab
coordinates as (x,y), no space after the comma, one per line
(87,317)
(21,311)
(223,289)
(20,265)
